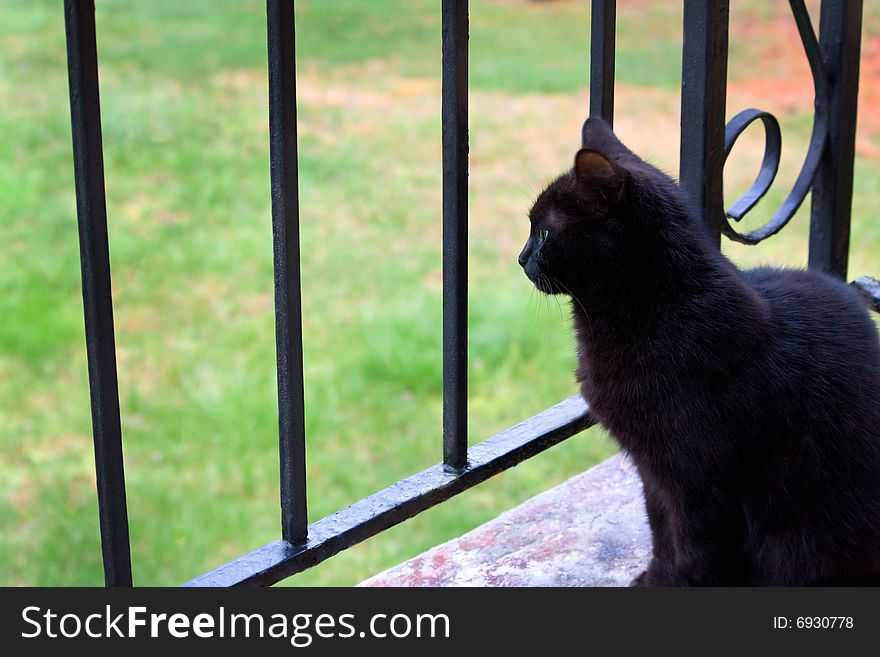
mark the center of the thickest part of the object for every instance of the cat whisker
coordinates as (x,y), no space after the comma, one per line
(528,189)
(559,308)
(544,281)
(568,291)
(533,313)
(576,300)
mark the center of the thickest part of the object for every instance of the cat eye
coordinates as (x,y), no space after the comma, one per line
(544,234)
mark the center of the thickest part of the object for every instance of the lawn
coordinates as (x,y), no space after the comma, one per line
(186,155)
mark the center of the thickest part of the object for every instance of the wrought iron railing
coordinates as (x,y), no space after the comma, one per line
(705,144)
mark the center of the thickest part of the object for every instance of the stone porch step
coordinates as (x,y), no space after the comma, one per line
(589,531)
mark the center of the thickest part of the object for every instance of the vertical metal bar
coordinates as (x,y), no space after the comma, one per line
(88,164)
(603,18)
(285,234)
(703,99)
(840,29)
(455,200)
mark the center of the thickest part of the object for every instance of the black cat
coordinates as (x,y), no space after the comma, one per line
(748,400)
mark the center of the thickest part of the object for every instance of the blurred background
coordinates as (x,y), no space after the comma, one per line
(184,108)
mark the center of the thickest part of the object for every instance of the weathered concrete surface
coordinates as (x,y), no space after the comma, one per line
(589,531)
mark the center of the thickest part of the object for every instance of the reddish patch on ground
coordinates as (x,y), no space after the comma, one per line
(869,96)
(479,541)
(772,68)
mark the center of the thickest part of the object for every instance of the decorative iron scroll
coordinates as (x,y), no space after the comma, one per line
(773,144)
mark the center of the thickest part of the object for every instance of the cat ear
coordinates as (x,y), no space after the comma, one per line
(592,168)
(596,174)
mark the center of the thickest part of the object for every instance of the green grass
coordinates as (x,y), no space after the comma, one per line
(185,144)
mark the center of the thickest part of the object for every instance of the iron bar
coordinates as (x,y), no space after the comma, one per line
(455,216)
(840,29)
(703,98)
(603,19)
(91,209)
(285,235)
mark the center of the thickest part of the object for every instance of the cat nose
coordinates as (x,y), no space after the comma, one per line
(524,256)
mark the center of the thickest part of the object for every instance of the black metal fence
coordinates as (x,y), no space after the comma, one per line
(706,142)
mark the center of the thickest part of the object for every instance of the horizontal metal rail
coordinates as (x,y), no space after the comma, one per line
(408,497)
(869,288)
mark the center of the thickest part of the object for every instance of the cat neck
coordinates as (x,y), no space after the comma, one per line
(683,286)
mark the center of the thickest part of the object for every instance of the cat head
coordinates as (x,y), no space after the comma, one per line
(584,223)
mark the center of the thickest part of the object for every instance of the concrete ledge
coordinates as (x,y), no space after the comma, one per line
(589,531)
